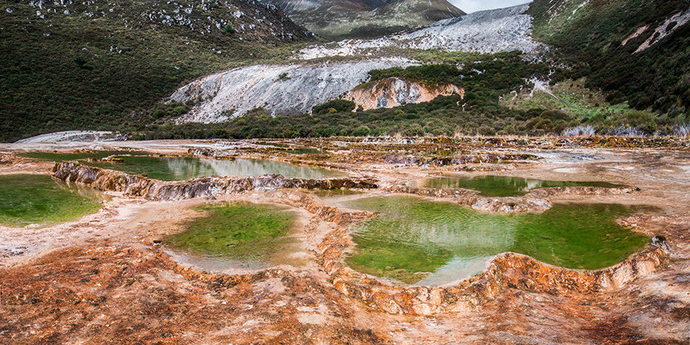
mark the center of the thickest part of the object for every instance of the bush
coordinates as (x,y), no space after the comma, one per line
(414,130)
(339,105)
(362,131)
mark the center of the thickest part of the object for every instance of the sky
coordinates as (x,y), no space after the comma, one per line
(470,6)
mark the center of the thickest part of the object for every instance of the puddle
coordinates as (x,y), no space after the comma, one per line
(183,168)
(240,235)
(504,185)
(38,199)
(421,242)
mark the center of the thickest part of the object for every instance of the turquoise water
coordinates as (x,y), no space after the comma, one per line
(429,243)
(504,185)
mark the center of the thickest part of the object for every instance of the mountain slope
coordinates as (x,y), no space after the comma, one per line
(88,65)
(365,18)
(635,50)
(500,30)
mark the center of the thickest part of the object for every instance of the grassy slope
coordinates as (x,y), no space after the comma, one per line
(91,68)
(589,40)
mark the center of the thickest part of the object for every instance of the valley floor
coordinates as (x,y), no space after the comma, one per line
(107,279)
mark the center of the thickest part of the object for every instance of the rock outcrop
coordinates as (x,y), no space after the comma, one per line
(393,92)
(140,186)
(278,89)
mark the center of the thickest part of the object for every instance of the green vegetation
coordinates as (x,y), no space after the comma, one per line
(485,78)
(414,237)
(38,199)
(504,185)
(236,231)
(96,69)
(590,39)
(335,106)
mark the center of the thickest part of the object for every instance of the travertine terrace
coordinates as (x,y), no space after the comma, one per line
(109,278)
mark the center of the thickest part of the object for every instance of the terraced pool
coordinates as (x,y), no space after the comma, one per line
(504,185)
(256,234)
(422,242)
(38,199)
(183,168)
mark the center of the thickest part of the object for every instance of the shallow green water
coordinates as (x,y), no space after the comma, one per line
(431,243)
(38,199)
(504,185)
(238,231)
(64,156)
(183,168)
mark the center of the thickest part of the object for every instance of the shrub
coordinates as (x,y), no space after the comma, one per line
(414,130)
(339,105)
(362,131)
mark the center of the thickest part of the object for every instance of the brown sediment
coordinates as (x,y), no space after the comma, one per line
(105,281)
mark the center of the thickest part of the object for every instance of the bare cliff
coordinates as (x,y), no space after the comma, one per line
(393,92)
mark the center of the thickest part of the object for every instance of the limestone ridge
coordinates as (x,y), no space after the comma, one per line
(235,92)
(393,92)
(365,18)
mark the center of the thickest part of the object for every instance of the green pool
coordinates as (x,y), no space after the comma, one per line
(417,241)
(504,185)
(183,168)
(240,231)
(38,199)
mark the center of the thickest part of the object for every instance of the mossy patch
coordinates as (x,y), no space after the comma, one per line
(236,230)
(38,199)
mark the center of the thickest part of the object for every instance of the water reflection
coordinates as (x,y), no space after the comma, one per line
(505,185)
(422,242)
(183,168)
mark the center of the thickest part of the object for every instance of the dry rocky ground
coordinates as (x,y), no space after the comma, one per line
(106,279)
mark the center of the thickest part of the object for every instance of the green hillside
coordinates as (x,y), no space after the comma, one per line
(604,41)
(67,63)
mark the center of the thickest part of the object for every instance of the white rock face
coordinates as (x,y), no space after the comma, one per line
(302,86)
(491,31)
(70,136)
(679,19)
